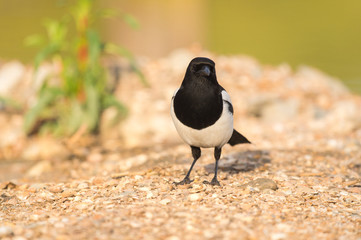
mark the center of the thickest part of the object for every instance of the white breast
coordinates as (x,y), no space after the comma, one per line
(215,135)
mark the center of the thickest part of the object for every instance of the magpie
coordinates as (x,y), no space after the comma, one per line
(202,113)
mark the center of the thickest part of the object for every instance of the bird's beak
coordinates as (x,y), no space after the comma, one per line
(205,71)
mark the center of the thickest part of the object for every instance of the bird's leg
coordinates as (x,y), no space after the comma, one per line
(196,153)
(217,155)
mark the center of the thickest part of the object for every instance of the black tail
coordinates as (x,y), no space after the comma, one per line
(237,138)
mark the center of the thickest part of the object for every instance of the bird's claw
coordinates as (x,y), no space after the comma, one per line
(214,182)
(186,180)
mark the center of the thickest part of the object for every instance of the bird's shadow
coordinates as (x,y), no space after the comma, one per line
(241,161)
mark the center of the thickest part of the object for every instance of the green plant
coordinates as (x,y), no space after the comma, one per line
(81,95)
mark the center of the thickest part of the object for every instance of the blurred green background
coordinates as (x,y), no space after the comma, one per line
(323,34)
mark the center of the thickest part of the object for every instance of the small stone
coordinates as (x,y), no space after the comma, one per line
(149,195)
(19,238)
(44,148)
(111,183)
(68,193)
(34,217)
(5,231)
(39,168)
(97,180)
(12,201)
(165,201)
(7,185)
(262,184)
(278,236)
(131,162)
(83,185)
(148,215)
(55,189)
(172,238)
(37,186)
(194,197)
(23,186)
(304,190)
(120,175)
(144,189)
(95,157)
(246,206)
(138,177)
(23,195)
(82,206)
(10,75)
(46,195)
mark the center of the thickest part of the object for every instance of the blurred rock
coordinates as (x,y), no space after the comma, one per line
(44,148)
(12,137)
(7,185)
(108,125)
(68,193)
(6,231)
(131,162)
(345,116)
(11,74)
(262,184)
(313,80)
(95,157)
(272,109)
(39,168)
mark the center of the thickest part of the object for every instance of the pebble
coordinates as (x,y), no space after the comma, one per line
(149,195)
(23,195)
(83,185)
(68,193)
(165,201)
(7,185)
(55,189)
(39,168)
(194,197)
(304,190)
(95,157)
(262,184)
(5,231)
(82,206)
(97,180)
(11,74)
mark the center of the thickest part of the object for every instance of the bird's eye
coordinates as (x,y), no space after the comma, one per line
(197,68)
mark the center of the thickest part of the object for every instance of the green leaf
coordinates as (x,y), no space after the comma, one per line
(94,46)
(108,13)
(119,50)
(44,54)
(92,106)
(111,101)
(34,40)
(75,117)
(47,96)
(8,102)
(131,21)
(57,30)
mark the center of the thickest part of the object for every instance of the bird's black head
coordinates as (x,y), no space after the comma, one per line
(201,69)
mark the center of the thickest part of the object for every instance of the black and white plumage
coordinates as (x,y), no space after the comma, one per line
(202,113)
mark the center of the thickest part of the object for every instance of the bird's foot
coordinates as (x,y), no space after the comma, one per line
(214,182)
(186,180)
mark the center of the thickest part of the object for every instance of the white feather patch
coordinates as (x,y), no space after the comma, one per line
(215,135)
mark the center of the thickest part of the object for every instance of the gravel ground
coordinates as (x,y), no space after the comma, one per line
(302,194)
(300,179)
